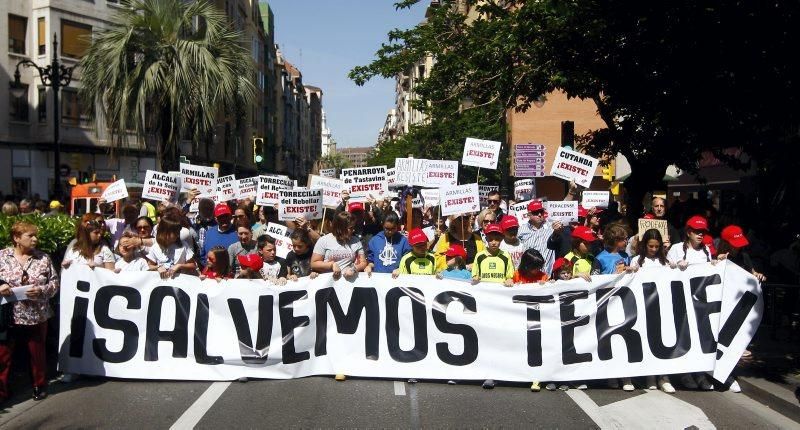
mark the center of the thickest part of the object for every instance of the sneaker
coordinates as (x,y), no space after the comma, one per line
(550,386)
(563,387)
(651,383)
(581,386)
(613,383)
(451,382)
(702,381)
(242,379)
(536,387)
(488,384)
(735,387)
(627,385)
(665,385)
(340,377)
(688,382)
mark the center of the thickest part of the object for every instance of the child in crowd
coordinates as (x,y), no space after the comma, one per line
(298,261)
(456,264)
(169,255)
(731,247)
(511,243)
(218,264)
(88,247)
(530,268)
(613,259)
(493,264)
(580,258)
(274,267)
(419,261)
(251,265)
(562,270)
(130,260)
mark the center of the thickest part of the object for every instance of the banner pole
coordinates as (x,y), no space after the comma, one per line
(409,209)
(324,212)
(478,176)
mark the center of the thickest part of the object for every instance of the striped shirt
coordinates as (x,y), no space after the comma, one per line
(536,238)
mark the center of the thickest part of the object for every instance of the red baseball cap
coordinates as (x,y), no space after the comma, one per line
(649,216)
(582,212)
(251,261)
(417,236)
(509,222)
(697,223)
(222,209)
(535,205)
(355,206)
(734,235)
(561,263)
(585,233)
(493,228)
(456,251)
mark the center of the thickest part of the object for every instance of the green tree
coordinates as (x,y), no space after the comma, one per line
(166,68)
(670,80)
(334,160)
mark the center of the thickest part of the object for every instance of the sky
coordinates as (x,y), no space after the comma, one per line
(327,38)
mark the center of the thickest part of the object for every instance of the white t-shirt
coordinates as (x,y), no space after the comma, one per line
(648,262)
(177,253)
(271,270)
(138,264)
(344,255)
(693,256)
(515,251)
(104,256)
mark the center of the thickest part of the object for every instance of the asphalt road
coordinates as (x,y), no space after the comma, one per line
(360,403)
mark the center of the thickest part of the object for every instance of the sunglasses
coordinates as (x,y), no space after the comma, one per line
(495,202)
(142,227)
(537,213)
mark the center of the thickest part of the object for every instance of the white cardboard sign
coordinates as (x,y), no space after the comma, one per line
(572,165)
(268,188)
(331,189)
(365,182)
(391,179)
(520,211)
(440,173)
(202,178)
(481,153)
(658,224)
(564,211)
(524,189)
(431,196)
(409,171)
(459,199)
(300,203)
(227,188)
(327,173)
(116,191)
(595,199)
(247,188)
(162,187)
(281,235)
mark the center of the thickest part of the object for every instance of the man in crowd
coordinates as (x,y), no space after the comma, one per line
(493,200)
(660,212)
(536,232)
(223,235)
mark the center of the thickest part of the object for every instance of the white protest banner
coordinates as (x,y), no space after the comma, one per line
(440,173)
(247,187)
(564,211)
(656,321)
(390,177)
(331,190)
(572,165)
(595,199)
(162,187)
(524,189)
(483,193)
(268,188)
(281,235)
(520,211)
(658,224)
(430,232)
(300,203)
(459,199)
(202,178)
(116,191)
(365,182)
(327,173)
(409,171)
(481,153)
(431,196)
(227,188)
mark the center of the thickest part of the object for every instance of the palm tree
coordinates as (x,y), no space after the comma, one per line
(166,68)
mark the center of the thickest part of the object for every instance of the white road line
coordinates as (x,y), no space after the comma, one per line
(414,405)
(195,413)
(399,388)
(590,408)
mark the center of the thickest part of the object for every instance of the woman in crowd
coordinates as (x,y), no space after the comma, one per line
(24,265)
(218,265)
(339,252)
(169,255)
(245,246)
(386,248)
(459,233)
(88,246)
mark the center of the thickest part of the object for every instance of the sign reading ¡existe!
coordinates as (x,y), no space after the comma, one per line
(574,166)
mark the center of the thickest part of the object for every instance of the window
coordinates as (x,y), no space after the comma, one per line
(42,36)
(41,107)
(18,106)
(75,39)
(73,111)
(16,34)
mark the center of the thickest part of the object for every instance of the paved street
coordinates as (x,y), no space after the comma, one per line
(323,402)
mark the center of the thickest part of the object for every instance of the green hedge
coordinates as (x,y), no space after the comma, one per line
(55,232)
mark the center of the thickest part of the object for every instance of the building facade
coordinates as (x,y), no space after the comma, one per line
(356,156)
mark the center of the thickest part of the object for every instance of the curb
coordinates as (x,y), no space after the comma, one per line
(773,396)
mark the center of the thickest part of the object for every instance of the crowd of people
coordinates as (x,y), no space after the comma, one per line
(230,241)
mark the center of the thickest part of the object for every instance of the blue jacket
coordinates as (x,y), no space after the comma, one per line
(216,238)
(387,258)
(606,262)
(457,274)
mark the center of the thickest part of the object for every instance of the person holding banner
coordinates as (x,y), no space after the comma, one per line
(493,264)
(298,261)
(530,268)
(223,235)
(219,266)
(339,252)
(245,246)
(130,259)
(22,265)
(88,246)
(419,261)
(274,267)
(511,243)
(731,247)
(169,255)
(460,232)
(387,247)
(456,265)
(613,259)
(581,259)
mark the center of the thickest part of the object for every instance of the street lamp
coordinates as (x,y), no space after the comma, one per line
(56,75)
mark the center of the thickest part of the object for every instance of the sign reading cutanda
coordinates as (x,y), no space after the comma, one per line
(653,322)
(572,165)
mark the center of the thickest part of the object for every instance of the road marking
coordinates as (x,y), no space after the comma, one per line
(399,388)
(195,413)
(652,410)
(412,394)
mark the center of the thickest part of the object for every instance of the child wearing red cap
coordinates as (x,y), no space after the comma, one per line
(419,261)
(580,257)
(731,247)
(562,270)
(456,257)
(493,264)
(251,265)
(511,243)
(692,250)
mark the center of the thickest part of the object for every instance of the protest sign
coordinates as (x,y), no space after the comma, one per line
(656,321)
(483,193)
(431,196)
(300,203)
(116,191)
(390,177)
(281,235)
(201,178)
(247,187)
(327,173)
(481,153)
(564,211)
(268,188)
(227,188)
(658,224)
(331,190)
(162,187)
(520,211)
(524,189)
(440,173)
(529,160)
(459,199)
(595,199)
(365,182)
(572,165)
(409,171)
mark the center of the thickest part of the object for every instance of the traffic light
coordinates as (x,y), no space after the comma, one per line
(608,172)
(568,134)
(258,151)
